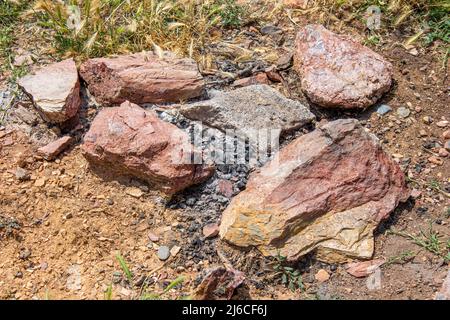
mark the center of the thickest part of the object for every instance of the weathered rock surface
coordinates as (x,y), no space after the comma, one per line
(53,149)
(363,269)
(337,71)
(326,191)
(142,78)
(444,293)
(248,109)
(219,284)
(54,90)
(28,120)
(131,140)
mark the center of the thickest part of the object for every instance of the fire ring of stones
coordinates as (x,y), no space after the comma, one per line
(324,192)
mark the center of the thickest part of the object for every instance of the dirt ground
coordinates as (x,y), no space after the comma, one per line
(60,232)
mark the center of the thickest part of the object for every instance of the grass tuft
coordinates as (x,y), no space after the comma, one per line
(290,277)
(170,286)
(430,240)
(125,268)
(9,17)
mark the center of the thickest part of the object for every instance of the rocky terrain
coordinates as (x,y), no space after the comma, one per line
(116,183)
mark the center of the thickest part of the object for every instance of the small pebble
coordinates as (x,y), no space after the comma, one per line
(270,29)
(423,133)
(427,120)
(403,112)
(442,124)
(134,192)
(322,276)
(40,182)
(443,153)
(22,174)
(24,254)
(163,253)
(210,230)
(174,251)
(153,237)
(383,109)
(68,215)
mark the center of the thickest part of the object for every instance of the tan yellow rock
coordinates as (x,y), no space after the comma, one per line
(325,192)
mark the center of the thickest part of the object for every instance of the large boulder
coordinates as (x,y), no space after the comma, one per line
(142,78)
(132,141)
(326,191)
(337,71)
(54,90)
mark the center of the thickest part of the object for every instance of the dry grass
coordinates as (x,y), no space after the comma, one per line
(93,28)
(427,20)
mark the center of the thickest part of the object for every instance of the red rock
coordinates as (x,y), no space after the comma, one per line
(53,149)
(363,269)
(446,134)
(273,75)
(260,78)
(219,284)
(55,90)
(225,187)
(326,191)
(337,71)
(211,230)
(443,153)
(142,78)
(153,237)
(132,141)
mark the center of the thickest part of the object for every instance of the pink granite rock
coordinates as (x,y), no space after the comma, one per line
(338,72)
